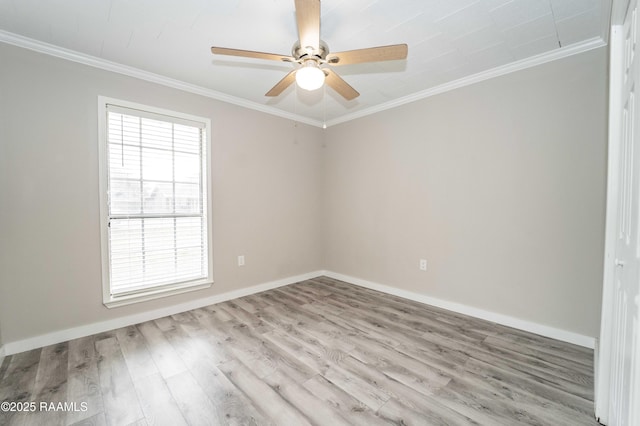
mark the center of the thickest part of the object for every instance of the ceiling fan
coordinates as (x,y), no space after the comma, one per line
(311,54)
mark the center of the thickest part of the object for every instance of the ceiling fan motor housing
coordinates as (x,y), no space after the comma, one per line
(302,53)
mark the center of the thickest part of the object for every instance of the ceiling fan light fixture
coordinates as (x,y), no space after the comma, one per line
(309,52)
(310,76)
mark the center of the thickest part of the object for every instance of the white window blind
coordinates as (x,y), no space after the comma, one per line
(156,197)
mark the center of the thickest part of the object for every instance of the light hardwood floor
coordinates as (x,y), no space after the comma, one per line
(318,352)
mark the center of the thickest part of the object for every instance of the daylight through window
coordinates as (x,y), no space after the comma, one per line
(156,198)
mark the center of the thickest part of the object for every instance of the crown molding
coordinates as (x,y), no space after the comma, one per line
(607,10)
(543,58)
(617,12)
(93,61)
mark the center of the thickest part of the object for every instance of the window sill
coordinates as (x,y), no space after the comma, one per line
(128,299)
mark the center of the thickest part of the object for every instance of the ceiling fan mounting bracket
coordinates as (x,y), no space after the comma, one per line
(304,53)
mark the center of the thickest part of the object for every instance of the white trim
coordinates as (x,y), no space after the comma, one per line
(2,355)
(596,362)
(93,61)
(153,293)
(52,338)
(602,376)
(532,327)
(543,58)
(99,327)
(603,372)
(618,12)
(607,7)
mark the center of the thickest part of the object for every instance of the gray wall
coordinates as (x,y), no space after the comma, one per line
(499,185)
(266,189)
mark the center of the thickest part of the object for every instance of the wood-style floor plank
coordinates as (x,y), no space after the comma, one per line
(136,354)
(121,403)
(576,370)
(158,405)
(406,396)
(396,413)
(316,410)
(18,383)
(4,365)
(192,348)
(162,352)
(232,405)
(246,317)
(83,381)
(50,387)
(252,303)
(96,420)
(278,410)
(195,405)
(357,387)
(350,407)
(321,352)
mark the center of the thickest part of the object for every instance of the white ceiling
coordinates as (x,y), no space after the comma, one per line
(448,40)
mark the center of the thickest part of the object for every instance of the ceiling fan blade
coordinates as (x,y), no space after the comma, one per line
(339,85)
(308,19)
(372,54)
(282,84)
(251,54)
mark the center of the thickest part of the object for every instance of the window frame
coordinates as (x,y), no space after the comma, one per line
(108,299)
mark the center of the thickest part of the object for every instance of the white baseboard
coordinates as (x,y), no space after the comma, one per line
(596,361)
(11,348)
(543,330)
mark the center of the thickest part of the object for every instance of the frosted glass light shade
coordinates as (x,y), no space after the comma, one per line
(310,76)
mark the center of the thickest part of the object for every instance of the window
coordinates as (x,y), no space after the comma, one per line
(154,202)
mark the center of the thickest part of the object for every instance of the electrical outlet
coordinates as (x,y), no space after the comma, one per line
(423,264)
(241,260)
